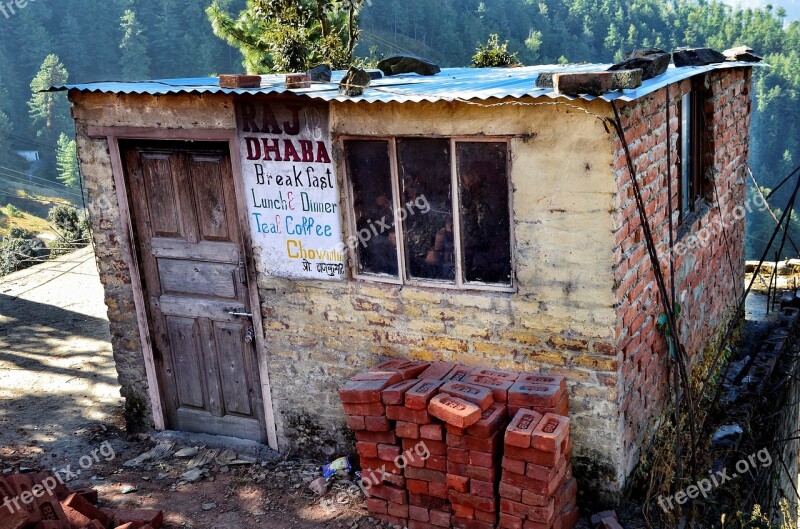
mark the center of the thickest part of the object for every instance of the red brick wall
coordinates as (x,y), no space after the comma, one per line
(705,286)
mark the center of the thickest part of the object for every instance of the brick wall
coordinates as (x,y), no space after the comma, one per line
(706,286)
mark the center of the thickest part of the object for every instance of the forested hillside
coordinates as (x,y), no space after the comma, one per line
(138,39)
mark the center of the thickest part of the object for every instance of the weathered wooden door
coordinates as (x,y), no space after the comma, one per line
(195,286)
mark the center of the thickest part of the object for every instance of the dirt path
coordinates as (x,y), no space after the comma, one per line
(59,402)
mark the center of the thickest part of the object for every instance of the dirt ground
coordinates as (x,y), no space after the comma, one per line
(59,404)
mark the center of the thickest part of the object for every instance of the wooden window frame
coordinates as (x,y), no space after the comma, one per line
(403,279)
(695,181)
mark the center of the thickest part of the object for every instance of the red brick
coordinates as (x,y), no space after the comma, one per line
(458,483)
(550,433)
(514,508)
(417,397)
(562,408)
(531,498)
(543,473)
(406,368)
(534,395)
(498,386)
(491,444)
(418,513)
(376,506)
(521,428)
(459,373)
(568,494)
(388,493)
(431,431)
(139,517)
(481,473)
(488,517)
(425,474)
(476,502)
(428,502)
(465,523)
(368,450)
(376,437)
(74,518)
(60,491)
(407,430)
(401,413)
(396,394)
(550,380)
(463,511)
(388,452)
(531,455)
(378,467)
(454,411)
(481,488)
(542,488)
(362,391)
(395,479)
(497,373)
(543,514)
(455,430)
(456,441)
(398,510)
(457,468)
(415,486)
(458,455)
(492,420)
(509,521)
(438,490)
(509,491)
(370,408)
(440,518)
(390,377)
(416,524)
(437,463)
(514,465)
(356,422)
(89,494)
(478,395)
(96,524)
(437,448)
(437,371)
(482,459)
(22,484)
(377,424)
(394,520)
(570,516)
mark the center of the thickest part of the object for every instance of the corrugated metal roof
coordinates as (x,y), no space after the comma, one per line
(451,84)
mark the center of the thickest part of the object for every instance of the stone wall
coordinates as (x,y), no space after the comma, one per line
(709,270)
(561,319)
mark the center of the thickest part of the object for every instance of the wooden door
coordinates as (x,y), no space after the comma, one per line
(189,245)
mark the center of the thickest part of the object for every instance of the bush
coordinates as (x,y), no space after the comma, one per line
(19,250)
(493,54)
(13,211)
(72,227)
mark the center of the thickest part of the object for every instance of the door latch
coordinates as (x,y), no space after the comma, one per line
(250,335)
(238,314)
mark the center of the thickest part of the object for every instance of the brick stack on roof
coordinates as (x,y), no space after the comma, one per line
(437,450)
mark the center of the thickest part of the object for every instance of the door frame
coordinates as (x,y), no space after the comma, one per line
(113,135)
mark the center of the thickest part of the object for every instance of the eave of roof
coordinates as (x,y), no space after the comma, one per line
(452,84)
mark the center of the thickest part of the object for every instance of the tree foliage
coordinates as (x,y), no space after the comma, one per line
(494,54)
(290,35)
(67,162)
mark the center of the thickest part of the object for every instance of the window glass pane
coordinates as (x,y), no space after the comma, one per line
(686,154)
(485,214)
(370,173)
(425,176)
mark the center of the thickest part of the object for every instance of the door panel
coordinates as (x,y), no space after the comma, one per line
(191,256)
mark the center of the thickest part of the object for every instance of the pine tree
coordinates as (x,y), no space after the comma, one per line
(134,61)
(67,161)
(290,36)
(49,111)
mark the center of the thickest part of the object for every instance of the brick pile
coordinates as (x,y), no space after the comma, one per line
(41,501)
(477,471)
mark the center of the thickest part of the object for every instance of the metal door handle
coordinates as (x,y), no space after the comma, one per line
(249,336)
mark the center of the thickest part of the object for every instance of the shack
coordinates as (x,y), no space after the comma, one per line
(259,246)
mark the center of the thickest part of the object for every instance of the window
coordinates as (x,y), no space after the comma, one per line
(431,211)
(692,152)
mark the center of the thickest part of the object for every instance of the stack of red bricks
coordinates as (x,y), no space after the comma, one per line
(42,501)
(435,451)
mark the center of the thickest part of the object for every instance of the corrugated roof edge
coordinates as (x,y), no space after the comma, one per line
(450,85)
